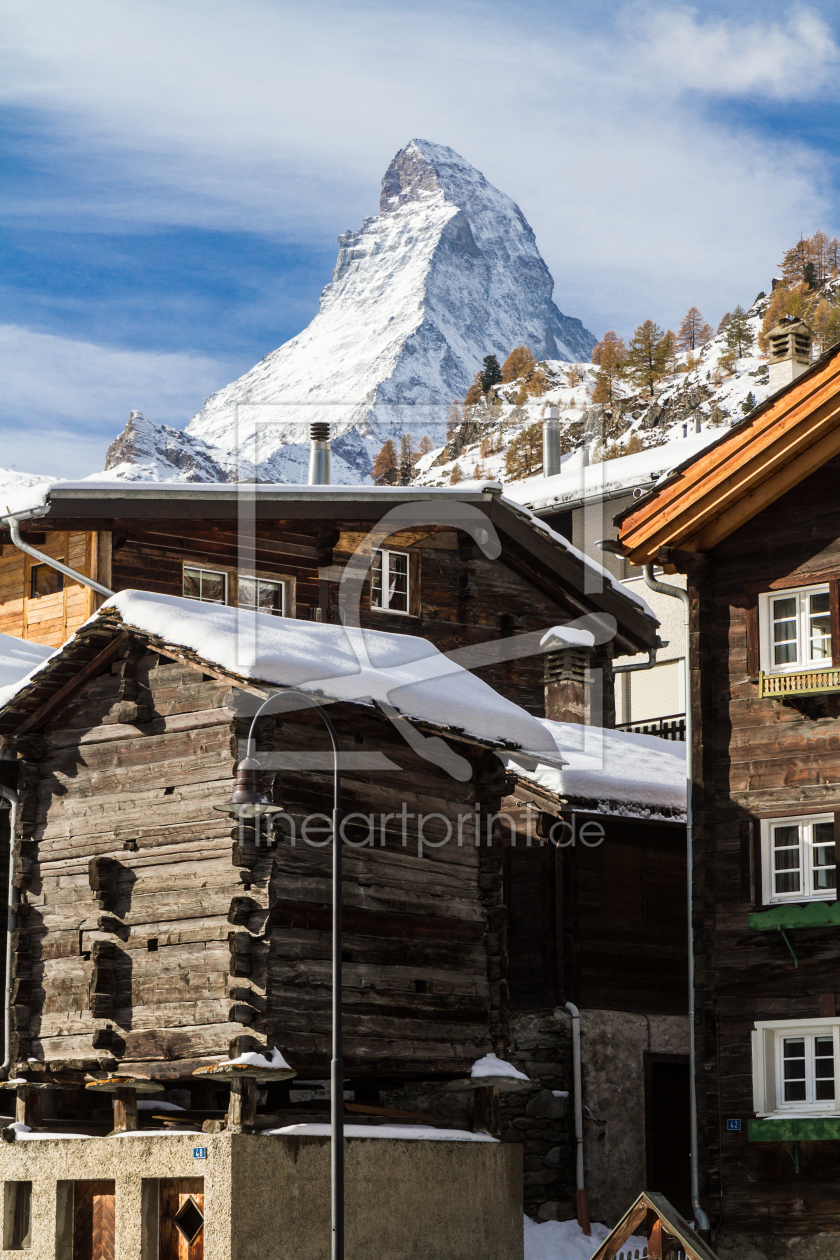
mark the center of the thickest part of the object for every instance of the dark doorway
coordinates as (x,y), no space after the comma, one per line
(93,1220)
(668,1125)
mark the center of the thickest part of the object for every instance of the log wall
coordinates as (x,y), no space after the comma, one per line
(152,932)
(759,758)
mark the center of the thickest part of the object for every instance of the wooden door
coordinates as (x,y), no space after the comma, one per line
(669,1130)
(93,1220)
(181,1229)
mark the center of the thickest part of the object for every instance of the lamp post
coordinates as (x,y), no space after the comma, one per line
(249,801)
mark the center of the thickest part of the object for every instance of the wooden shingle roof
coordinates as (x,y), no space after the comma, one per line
(777,446)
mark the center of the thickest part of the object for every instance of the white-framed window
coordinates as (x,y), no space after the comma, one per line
(795,629)
(206,585)
(796,1066)
(389,581)
(262,594)
(799,858)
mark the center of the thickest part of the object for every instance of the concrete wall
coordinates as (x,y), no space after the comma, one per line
(613,1048)
(268,1198)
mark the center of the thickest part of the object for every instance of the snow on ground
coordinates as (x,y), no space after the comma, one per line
(360,666)
(613,766)
(18,657)
(565,1240)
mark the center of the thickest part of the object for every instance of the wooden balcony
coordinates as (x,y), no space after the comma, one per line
(805,682)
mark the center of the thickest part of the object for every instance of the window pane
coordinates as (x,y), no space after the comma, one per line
(786,861)
(212,587)
(794,1069)
(247,593)
(824,1067)
(271,597)
(784,631)
(376,580)
(192,583)
(46,581)
(824,860)
(820,632)
(397,582)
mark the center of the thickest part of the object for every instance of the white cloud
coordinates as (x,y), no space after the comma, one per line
(273,116)
(64,401)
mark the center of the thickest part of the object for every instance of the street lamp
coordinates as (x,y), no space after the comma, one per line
(249,802)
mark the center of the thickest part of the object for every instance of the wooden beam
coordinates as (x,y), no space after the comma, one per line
(89,671)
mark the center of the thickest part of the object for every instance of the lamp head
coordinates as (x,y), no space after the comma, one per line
(248,799)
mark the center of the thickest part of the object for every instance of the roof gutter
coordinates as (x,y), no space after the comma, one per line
(13,525)
(701,1220)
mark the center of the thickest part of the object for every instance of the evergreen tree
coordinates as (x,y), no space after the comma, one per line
(524,455)
(611,355)
(739,336)
(492,373)
(694,331)
(385,463)
(647,356)
(456,475)
(520,362)
(748,404)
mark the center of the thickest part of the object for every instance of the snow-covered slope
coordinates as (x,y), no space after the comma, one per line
(448,272)
(11,481)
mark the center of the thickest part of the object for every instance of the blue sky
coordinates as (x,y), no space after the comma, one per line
(174,175)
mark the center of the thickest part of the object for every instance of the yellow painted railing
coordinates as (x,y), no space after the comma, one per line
(803,683)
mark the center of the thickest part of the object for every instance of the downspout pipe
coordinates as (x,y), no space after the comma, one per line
(12,523)
(701,1220)
(581,1197)
(12,797)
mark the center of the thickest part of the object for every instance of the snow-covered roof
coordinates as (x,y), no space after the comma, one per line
(362,666)
(18,657)
(622,771)
(576,484)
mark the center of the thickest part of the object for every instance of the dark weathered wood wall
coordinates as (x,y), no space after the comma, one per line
(758,758)
(150,931)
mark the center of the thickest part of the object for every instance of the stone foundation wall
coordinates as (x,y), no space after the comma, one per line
(803,1247)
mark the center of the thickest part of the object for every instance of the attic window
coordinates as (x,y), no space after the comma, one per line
(45,580)
(261,595)
(205,585)
(389,581)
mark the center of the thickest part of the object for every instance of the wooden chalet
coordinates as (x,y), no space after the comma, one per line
(284,549)
(156,936)
(754,522)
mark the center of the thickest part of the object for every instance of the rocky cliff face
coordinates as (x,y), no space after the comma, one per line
(147,451)
(448,272)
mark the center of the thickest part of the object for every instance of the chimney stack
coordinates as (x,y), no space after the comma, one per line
(319,454)
(551,443)
(789,346)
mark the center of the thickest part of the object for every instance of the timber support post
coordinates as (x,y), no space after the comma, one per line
(486,1112)
(125,1110)
(242,1109)
(28,1109)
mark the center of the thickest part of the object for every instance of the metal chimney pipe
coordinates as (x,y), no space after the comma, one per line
(551,443)
(319,454)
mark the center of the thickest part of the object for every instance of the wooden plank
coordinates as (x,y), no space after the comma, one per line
(84,675)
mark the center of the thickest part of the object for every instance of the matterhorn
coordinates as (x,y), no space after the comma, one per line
(446,273)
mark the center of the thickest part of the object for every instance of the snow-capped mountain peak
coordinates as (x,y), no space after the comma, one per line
(446,273)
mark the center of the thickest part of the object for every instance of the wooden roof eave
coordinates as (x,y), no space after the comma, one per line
(748,469)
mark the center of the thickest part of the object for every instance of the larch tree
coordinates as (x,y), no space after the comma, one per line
(647,355)
(524,455)
(425,446)
(611,355)
(739,335)
(407,455)
(491,374)
(519,363)
(386,461)
(456,475)
(724,321)
(456,415)
(475,393)
(693,331)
